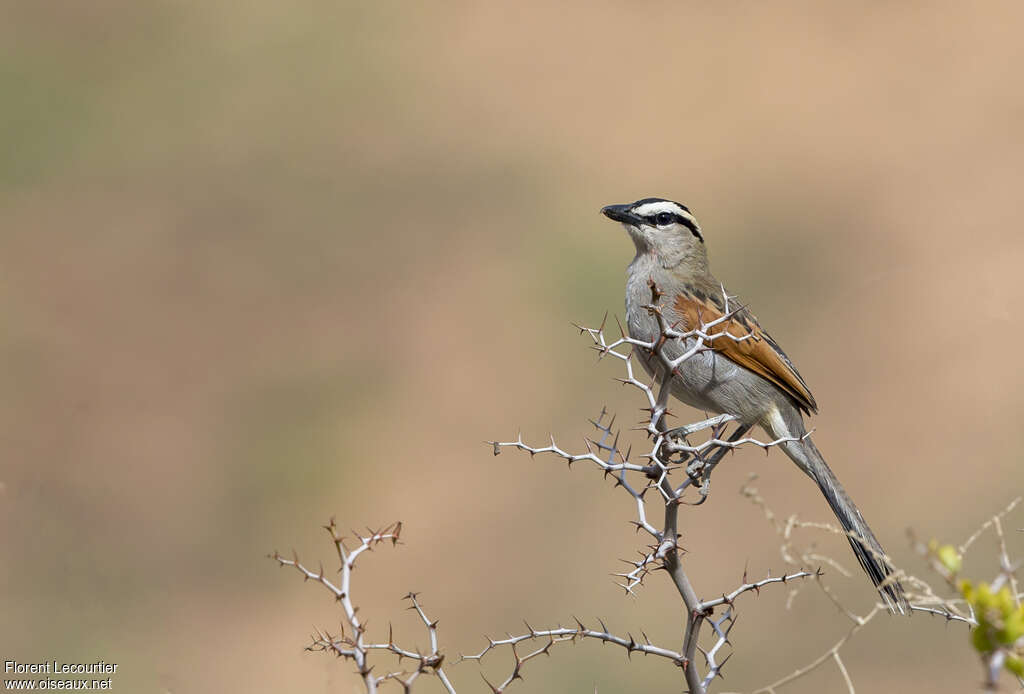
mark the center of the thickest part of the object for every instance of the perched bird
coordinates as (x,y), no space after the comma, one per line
(751,379)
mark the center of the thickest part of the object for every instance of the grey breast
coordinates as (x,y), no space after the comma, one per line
(707,380)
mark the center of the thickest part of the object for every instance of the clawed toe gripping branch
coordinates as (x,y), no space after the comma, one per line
(671,464)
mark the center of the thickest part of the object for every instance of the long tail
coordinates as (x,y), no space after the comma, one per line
(866,546)
(864,543)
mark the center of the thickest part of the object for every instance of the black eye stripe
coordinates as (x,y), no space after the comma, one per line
(692,226)
(678,219)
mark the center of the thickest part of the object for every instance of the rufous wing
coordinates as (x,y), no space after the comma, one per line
(759,353)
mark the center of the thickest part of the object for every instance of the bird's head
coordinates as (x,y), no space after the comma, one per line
(660,227)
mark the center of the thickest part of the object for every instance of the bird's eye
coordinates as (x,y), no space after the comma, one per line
(663,218)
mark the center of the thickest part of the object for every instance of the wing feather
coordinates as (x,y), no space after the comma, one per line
(760,353)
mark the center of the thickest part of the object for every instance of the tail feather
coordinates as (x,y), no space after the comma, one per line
(865,545)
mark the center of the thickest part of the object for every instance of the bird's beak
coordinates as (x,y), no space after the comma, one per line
(621,213)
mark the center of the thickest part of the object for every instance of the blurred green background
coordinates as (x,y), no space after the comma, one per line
(267,262)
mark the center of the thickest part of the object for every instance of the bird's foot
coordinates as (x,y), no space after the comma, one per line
(699,473)
(695,470)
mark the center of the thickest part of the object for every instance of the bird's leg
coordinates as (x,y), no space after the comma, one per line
(696,467)
(665,452)
(697,462)
(698,472)
(684,431)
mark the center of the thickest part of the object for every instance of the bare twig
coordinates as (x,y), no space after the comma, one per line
(352,644)
(707,623)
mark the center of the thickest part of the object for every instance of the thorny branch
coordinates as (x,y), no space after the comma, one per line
(669,451)
(352,645)
(631,644)
(924,598)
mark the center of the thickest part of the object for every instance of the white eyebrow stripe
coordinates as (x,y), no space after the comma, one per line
(650,208)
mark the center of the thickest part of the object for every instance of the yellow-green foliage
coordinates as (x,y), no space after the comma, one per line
(1000,622)
(949,557)
(1000,618)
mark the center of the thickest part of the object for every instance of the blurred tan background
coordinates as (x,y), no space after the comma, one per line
(267,262)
